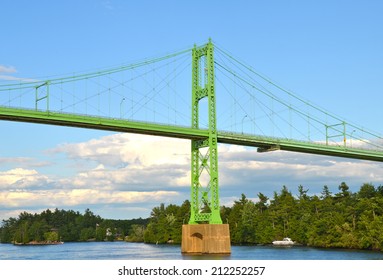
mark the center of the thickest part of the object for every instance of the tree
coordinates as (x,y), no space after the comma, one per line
(37,230)
(262,203)
(367,191)
(21,233)
(87,234)
(51,236)
(345,193)
(136,234)
(283,207)
(246,230)
(302,193)
(371,233)
(7,230)
(325,192)
(166,223)
(235,219)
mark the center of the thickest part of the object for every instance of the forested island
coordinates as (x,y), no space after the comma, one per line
(332,220)
(65,226)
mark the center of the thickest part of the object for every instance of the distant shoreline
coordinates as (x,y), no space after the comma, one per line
(38,243)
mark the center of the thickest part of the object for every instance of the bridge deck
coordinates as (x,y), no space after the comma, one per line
(120,125)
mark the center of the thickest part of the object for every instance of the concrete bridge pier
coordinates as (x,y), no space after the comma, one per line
(206,239)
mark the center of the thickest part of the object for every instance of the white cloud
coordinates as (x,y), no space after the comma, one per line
(75,197)
(131,161)
(126,169)
(26,162)
(268,172)
(19,79)
(7,69)
(133,149)
(12,70)
(127,161)
(21,178)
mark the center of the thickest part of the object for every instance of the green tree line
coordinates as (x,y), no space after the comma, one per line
(62,225)
(340,220)
(333,220)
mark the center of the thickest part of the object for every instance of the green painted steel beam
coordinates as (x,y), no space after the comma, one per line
(99,123)
(118,125)
(265,144)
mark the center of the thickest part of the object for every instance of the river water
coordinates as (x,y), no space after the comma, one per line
(140,251)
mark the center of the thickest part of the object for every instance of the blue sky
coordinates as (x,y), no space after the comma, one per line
(328,52)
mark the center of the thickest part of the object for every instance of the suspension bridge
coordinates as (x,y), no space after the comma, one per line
(202,93)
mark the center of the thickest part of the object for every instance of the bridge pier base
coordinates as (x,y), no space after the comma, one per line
(205,239)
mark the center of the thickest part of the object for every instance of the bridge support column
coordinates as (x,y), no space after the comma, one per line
(205,233)
(205,239)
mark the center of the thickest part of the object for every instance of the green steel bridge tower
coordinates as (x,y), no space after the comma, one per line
(204,153)
(205,232)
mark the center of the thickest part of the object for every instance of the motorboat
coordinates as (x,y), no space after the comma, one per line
(285,242)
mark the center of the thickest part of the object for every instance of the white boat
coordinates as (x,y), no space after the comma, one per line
(285,242)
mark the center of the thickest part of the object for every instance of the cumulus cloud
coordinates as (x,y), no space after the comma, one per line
(67,198)
(126,161)
(250,172)
(129,149)
(20,178)
(128,169)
